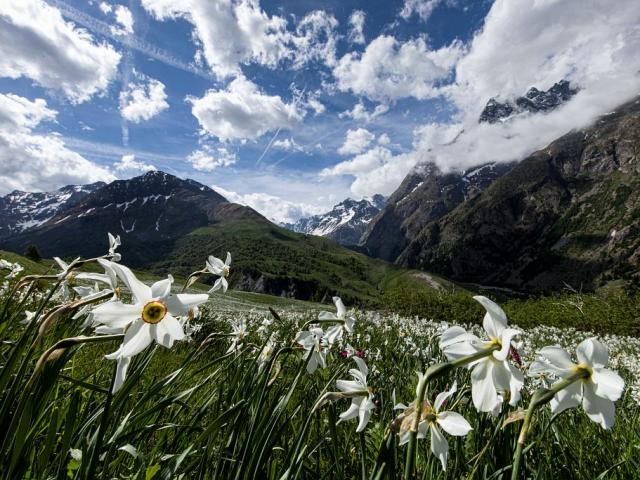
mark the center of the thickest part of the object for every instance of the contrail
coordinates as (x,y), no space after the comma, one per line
(268,146)
(129,41)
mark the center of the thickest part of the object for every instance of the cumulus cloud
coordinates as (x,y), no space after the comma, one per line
(273,207)
(37,43)
(207,159)
(124,18)
(356,23)
(105,8)
(128,163)
(315,39)
(288,145)
(422,8)
(389,70)
(142,99)
(359,112)
(31,161)
(356,141)
(242,111)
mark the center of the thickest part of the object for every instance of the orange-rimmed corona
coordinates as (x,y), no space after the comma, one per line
(154,311)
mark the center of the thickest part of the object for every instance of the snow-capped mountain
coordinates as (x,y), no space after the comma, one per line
(21,211)
(532,102)
(345,223)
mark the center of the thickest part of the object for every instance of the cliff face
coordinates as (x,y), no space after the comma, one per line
(569,213)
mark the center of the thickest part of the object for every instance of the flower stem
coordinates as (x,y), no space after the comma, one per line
(541,397)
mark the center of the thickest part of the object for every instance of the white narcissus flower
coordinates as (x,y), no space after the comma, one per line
(432,418)
(312,341)
(65,276)
(220,268)
(597,391)
(334,333)
(114,243)
(492,375)
(151,317)
(239,332)
(361,397)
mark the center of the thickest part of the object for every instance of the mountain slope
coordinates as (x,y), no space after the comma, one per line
(345,223)
(426,194)
(20,211)
(567,213)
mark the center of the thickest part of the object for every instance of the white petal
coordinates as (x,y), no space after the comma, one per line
(169,328)
(516,382)
(180,304)
(495,320)
(327,316)
(351,412)
(361,366)
(364,413)
(439,446)
(341,310)
(116,314)
(593,353)
(598,409)
(227,261)
(136,339)
(559,359)
(483,392)
(161,288)
(443,396)
(121,373)
(453,423)
(569,397)
(608,383)
(505,339)
(333,334)
(141,293)
(216,285)
(215,262)
(225,284)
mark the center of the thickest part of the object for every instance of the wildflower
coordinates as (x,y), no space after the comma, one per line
(597,388)
(266,353)
(360,394)
(334,333)
(264,326)
(432,419)
(491,375)
(313,341)
(217,267)
(239,332)
(151,316)
(114,243)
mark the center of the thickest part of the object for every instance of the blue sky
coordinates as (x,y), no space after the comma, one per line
(272,102)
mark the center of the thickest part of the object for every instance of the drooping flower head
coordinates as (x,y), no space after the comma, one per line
(361,397)
(493,375)
(313,341)
(222,269)
(432,419)
(597,389)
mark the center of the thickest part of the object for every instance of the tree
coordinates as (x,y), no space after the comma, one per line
(32,253)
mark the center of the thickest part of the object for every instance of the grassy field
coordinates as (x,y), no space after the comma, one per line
(201,410)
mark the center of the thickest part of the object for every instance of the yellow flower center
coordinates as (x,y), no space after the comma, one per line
(154,311)
(226,271)
(585,369)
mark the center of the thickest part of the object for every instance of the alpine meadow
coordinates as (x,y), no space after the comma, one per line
(279,240)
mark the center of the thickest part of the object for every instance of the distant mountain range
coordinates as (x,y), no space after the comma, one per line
(533,101)
(171,225)
(345,222)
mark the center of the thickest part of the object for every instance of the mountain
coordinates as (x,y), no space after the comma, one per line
(567,214)
(20,211)
(345,223)
(425,195)
(170,225)
(533,101)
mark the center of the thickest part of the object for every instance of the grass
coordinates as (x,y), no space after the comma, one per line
(199,411)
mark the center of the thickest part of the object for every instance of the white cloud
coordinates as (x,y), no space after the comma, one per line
(315,39)
(30,161)
(36,42)
(242,111)
(124,17)
(143,99)
(359,112)
(356,141)
(208,159)
(391,70)
(128,163)
(356,22)
(273,207)
(288,144)
(422,8)
(105,8)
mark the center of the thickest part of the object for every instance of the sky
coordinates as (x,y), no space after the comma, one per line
(292,106)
